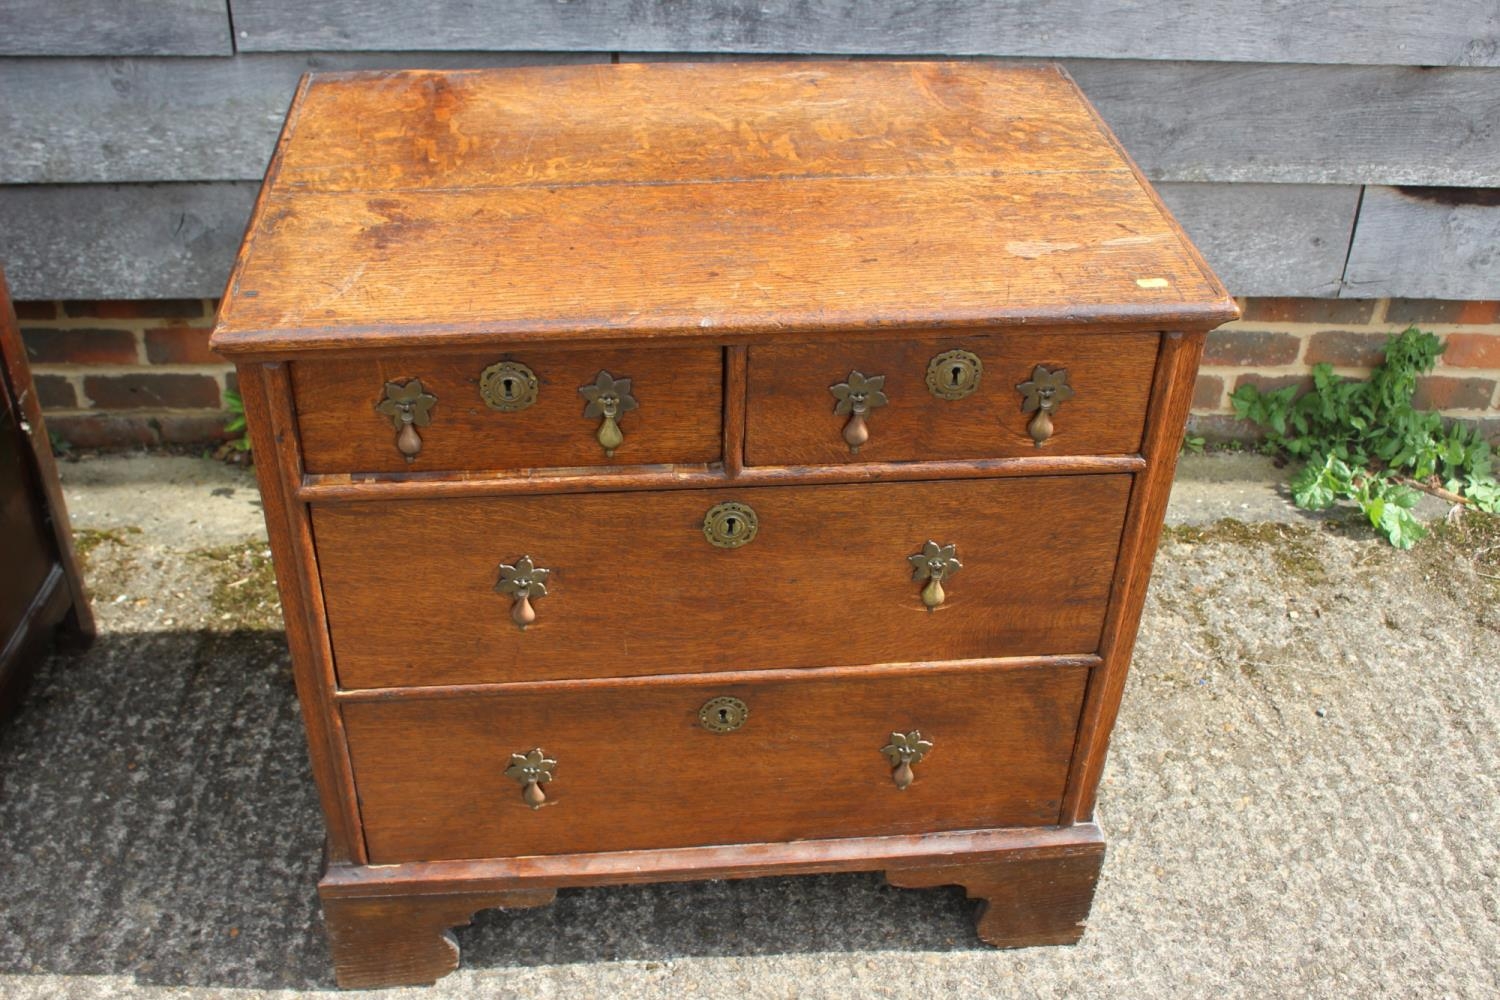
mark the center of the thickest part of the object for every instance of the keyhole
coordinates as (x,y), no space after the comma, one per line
(508,388)
(954,374)
(723,715)
(731,528)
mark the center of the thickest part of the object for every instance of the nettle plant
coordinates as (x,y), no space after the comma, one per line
(1364,441)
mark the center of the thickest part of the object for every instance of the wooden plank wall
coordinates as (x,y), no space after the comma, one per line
(1322,148)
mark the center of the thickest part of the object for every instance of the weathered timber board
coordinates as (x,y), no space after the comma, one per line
(1443,33)
(129,241)
(114,28)
(1269,239)
(1426,243)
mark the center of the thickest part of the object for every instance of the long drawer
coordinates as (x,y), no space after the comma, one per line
(426,592)
(628,765)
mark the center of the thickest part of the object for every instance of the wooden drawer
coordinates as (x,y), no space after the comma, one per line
(677,420)
(637,769)
(791,417)
(636,588)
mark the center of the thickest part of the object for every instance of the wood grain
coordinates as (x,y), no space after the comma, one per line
(1171,397)
(114,27)
(1426,243)
(1025,901)
(1199,121)
(555,249)
(637,589)
(1451,32)
(792,419)
(680,393)
(387,922)
(636,770)
(79,120)
(1270,239)
(405,941)
(268,411)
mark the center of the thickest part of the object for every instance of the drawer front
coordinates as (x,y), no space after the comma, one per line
(634,586)
(350,421)
(794,417)
(635,767)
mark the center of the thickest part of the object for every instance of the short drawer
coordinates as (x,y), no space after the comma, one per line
(634,586)
(509,410)
(636,767)
(946,398)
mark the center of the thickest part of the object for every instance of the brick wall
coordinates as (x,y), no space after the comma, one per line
(125,374)
(1278,341)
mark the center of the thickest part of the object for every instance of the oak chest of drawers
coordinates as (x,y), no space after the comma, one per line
(640,439)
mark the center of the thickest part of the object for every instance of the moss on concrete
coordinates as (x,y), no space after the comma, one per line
(1290,546)
(243,582)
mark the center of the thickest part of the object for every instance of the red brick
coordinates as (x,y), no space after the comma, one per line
(192,428)
(1439,392)
(152,391)
(80,346)
(1418,311)
(55,392)
(1472,350)
(36,310)
(136,308)
(1207,392)
(1250,348)
(90,430)
(1270,383)
(1309,310)
(1350,350)
(180,345)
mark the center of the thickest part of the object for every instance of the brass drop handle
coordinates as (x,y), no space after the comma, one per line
(934,564)
(904,750)
(408,406)
(857,396)
(1043,393)
(608,397)
(522,581)
(531,770)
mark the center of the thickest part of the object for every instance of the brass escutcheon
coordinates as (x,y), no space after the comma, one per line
(729,525)
(723,715)
(1043,393)
(531,770)
(954,374)
(507,386)
(904,750)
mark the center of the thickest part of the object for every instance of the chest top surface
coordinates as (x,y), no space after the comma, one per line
(724,201)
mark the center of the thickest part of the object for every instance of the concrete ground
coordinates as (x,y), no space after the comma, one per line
(1301,798)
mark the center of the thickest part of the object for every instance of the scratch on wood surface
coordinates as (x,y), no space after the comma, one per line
(1032,249)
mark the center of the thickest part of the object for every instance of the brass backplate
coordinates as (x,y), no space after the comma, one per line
(508,386)
(954,374)
(723,715)
(729,525)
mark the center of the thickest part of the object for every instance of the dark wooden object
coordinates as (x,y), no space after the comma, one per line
(736,249)
(41,587)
